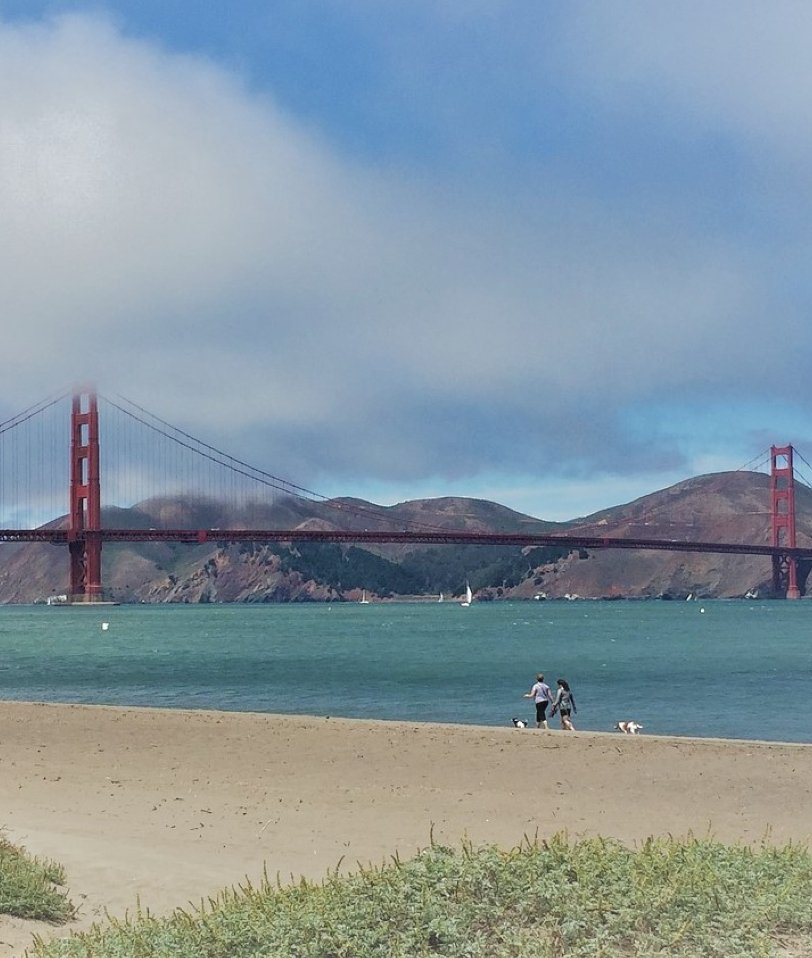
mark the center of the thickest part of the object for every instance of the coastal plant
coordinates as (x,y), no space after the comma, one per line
(593,898)
(28,886)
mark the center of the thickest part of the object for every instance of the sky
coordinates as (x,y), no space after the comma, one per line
(549,254)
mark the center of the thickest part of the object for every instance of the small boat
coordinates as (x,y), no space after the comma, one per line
(751,594)
(441,599)
(77,602)
(469,597)
(364,600)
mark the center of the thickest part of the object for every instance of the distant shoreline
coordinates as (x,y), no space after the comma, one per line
(373,599)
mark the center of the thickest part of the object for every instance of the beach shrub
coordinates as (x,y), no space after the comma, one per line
(594,898)
(27,886)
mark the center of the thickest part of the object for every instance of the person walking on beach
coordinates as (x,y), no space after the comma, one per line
(564,704)
(542,696)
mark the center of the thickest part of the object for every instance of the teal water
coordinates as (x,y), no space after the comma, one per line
(736,670)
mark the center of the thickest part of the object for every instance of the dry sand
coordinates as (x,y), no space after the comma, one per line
(170,806)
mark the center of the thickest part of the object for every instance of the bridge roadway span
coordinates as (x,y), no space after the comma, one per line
(434,537)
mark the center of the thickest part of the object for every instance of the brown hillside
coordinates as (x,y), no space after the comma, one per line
(723,507)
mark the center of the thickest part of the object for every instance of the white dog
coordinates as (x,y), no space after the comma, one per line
(628,728)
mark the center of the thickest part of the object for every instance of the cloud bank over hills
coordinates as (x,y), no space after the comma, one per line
(558,281)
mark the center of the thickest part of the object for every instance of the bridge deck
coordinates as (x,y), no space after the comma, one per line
(451,537)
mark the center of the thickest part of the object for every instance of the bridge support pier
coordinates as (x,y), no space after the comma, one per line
(782,490)
(85,499)
(785,577)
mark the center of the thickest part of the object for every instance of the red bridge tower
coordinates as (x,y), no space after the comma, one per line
(85,498)
(782,489)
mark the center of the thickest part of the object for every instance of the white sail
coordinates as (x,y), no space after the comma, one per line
(469,596)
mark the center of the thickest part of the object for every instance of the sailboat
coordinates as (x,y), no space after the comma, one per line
(441,598)
(469,596)
(364,600)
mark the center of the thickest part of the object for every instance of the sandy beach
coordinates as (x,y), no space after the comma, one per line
(167,806)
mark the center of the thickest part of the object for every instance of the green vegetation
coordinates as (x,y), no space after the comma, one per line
(346,567)
(445,568)
(423,572)
(27,886)
(543,900)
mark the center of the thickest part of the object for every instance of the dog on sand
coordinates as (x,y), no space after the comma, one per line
(628,728)
(519,723)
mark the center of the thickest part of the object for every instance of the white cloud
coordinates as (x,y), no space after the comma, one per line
(190,245)
(738,65)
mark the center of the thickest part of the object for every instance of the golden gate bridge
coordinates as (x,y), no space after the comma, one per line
(84,529)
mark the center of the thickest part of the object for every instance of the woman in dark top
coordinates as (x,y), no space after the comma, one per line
(565,704)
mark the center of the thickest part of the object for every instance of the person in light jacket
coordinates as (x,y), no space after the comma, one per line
(542,696)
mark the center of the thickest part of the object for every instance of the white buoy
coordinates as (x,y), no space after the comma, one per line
(105,626)
(701,610)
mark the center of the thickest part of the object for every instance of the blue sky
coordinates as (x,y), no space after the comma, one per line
(554,255)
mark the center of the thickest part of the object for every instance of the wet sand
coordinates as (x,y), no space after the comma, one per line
(170,806)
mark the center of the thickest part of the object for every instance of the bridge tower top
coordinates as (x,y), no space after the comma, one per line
(782,494)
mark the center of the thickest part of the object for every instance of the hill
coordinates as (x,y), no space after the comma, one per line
(722,507)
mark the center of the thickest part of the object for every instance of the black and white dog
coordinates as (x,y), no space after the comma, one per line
(519,723)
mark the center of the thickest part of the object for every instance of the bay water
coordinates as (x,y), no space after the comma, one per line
(730,669)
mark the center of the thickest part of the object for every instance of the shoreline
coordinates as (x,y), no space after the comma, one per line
(170,805)
(427,723)
(404,723)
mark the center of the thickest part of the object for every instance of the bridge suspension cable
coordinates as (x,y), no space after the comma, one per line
(798,475)
(254,474)
(34,464)
(32,411)
(645,516)
(209,452)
